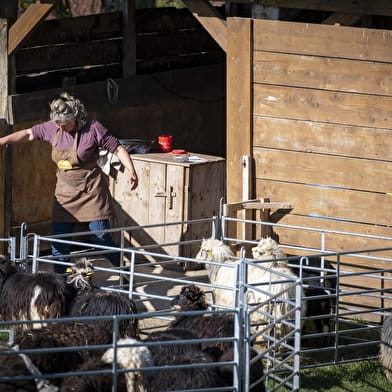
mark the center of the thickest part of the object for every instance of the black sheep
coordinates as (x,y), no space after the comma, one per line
(62,335)
(43,295)
(213,325)
(96,302)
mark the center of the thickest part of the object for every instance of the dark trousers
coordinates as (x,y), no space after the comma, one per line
(60,249)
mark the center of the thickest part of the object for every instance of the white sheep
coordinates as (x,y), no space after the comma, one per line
(272,278)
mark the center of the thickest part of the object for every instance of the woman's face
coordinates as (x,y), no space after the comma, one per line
(66,125)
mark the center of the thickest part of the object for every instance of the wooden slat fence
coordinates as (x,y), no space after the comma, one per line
(320,125)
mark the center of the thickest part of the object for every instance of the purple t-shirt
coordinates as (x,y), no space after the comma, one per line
(91,137)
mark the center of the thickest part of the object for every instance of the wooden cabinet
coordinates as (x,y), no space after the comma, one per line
(169,191)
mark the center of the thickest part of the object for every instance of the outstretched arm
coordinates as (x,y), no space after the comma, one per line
(25,135)
(126,160)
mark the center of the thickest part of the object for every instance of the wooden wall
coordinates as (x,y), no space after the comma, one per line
(320,129)
(179,89)
(311,104)
(90,48)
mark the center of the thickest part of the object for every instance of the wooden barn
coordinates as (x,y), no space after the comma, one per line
(296,94)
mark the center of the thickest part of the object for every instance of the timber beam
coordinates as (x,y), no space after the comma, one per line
(27,22)
(210,19)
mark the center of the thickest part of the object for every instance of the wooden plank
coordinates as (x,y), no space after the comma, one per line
(68,56)
(316,137)
(343,19)
(137,90)
(374,7)
(109,26)
(3,70)
(210,18)
(3,124)
(33,15)
(239,102)
(129,38)
(98,53)
(324,106)
(324,170)
(331,41)
(301,234)
(323,73)
(32,202)
(328,202)
(75,29)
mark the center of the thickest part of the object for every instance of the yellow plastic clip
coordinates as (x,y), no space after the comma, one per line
(63,164)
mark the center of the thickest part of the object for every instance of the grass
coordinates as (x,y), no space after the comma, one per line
(365,376)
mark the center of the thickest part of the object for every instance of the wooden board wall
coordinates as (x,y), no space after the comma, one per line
(321,134)
(187,104)
(90,48)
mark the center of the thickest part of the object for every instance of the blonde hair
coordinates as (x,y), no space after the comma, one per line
(68,107)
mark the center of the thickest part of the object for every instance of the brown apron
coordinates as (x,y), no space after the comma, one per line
(82,191)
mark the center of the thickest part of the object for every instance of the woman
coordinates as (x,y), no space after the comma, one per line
(82,192)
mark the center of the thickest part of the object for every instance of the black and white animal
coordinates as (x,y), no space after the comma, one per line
(386,347)
(270,278)
(39,296)
(171,377)
(212,326)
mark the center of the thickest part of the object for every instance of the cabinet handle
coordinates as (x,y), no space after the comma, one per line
(172,194)
(169,195)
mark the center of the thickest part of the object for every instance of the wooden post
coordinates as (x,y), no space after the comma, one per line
(239,102)
(239,109)
(129,38)
(3,121)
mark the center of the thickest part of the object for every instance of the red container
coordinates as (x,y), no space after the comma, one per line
(165,143)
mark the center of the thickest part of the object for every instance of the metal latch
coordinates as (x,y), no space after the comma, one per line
(170,195)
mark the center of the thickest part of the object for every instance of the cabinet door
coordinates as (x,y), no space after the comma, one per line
(176,205)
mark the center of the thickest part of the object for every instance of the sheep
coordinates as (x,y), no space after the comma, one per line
(267,249)
(132,357)
(167,378)
(212,326)
(12,365)
(219,325)
(316,283)
(96,302)
(386,347)
(61,335)
(26,296)
(91,381)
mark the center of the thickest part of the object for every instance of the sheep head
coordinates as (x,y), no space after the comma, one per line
(191,297)
(214,250)
(80,274)
(130,357)
(7,267)
(266,249)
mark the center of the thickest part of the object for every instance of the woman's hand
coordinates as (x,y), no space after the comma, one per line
(126,160)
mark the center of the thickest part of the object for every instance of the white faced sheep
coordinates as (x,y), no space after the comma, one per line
(272,280)
(212,326)
(386,347)
(26,296)
(132,357)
